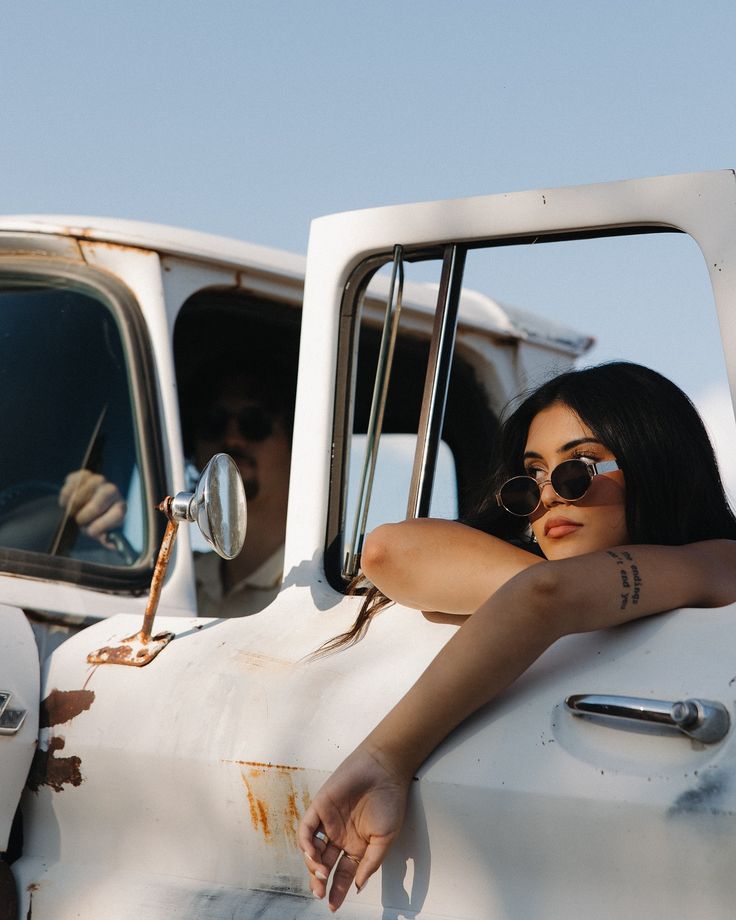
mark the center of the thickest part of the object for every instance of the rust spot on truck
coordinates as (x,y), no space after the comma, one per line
(91,235)
(49,770)
(277,797)
(293,815)
(63,705)
(265,765)
(258,811)
(34,886)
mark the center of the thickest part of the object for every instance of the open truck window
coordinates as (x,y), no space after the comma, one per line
(236,358)
(415,422)
(443,387)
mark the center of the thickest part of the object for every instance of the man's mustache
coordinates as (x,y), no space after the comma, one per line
(243,455)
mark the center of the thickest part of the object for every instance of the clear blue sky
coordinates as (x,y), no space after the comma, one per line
(250,118)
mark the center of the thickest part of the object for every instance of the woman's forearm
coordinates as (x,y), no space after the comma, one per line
(527,615)
(493,647)
(431,564)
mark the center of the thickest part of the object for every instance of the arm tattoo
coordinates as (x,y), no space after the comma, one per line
(631,581)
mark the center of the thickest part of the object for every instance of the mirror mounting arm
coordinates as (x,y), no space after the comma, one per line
(141,648)
(217,506)
(159,572)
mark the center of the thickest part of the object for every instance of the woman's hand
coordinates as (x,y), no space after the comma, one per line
(94,502)
(360,809)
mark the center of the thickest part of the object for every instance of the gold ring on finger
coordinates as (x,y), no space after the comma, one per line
(354,859)
(320,835)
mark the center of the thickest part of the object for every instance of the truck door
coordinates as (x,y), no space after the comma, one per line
(546,812)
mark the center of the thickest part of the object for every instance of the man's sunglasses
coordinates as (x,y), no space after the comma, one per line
(570,479)
(254,423)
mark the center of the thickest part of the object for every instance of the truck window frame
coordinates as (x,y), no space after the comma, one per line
(474,441)
(122,305)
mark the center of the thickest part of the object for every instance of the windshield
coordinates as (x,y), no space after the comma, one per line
(66,406)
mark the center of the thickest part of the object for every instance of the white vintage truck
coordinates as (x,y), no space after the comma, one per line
(174,789)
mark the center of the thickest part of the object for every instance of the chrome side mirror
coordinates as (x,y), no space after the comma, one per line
(217,506)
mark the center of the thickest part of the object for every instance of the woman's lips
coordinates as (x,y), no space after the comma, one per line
(556,528)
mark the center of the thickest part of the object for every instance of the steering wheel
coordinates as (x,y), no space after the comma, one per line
(29,515)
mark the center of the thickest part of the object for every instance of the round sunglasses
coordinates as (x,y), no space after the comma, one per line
(571,479)
(254,423)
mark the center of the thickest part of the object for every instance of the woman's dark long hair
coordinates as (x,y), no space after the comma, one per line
(674,493)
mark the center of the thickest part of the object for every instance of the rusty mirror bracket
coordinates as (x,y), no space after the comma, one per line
(217,506)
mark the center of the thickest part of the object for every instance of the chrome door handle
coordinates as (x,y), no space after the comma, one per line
(704,720)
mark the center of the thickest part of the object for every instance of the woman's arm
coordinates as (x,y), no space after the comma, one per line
(528,614)
(361,806)
(432,564)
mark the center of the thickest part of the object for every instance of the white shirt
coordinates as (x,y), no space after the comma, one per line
(251,594)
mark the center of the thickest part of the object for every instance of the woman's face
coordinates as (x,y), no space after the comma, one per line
(596,521)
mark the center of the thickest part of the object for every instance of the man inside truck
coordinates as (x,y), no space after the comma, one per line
(247,414)
(243,406)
